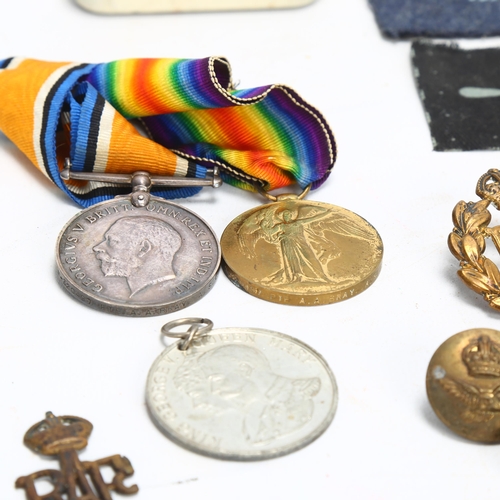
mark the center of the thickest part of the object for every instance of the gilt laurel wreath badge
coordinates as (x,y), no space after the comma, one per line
(467,241)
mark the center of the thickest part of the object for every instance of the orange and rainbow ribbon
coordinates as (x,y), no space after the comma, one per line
(174,117)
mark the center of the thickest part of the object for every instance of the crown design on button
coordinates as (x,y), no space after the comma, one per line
(482,357)
(55,434)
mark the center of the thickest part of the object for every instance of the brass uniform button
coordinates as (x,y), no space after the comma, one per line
(463,384)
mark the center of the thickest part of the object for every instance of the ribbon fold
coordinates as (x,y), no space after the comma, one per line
(174,117)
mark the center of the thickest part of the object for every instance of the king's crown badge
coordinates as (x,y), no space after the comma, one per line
(482,357)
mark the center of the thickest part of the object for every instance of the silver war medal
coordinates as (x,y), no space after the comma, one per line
(138,255)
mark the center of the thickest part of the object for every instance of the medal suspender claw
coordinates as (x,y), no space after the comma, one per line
(239,393)
(129,257)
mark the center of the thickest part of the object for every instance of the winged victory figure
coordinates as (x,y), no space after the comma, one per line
(299,235)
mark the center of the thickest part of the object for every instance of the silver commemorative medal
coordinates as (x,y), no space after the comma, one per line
(239,393)
(138,255)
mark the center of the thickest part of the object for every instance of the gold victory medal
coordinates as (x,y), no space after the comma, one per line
(300,252)
(463,384)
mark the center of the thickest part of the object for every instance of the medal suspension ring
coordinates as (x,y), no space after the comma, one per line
(467,241)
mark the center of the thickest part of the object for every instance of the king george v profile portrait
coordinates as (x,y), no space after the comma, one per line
(139,249)
(238,380)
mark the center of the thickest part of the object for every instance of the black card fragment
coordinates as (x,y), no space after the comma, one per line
(460,91)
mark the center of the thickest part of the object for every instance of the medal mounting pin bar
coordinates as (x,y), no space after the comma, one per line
(142,181)
(303,253)
(138,254)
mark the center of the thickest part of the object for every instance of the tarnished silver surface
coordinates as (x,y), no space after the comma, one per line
(137,261)
(213,177)
(242,394)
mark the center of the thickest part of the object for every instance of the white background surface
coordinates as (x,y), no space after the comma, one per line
(385,442)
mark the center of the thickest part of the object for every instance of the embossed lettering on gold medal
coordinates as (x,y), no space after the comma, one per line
(463,384)
(301,252)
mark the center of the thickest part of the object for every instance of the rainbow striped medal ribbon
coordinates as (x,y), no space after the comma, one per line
(163,128)
(292,251)
(130,251)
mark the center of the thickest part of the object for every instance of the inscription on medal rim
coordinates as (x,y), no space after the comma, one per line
(301,253)
(137,261)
